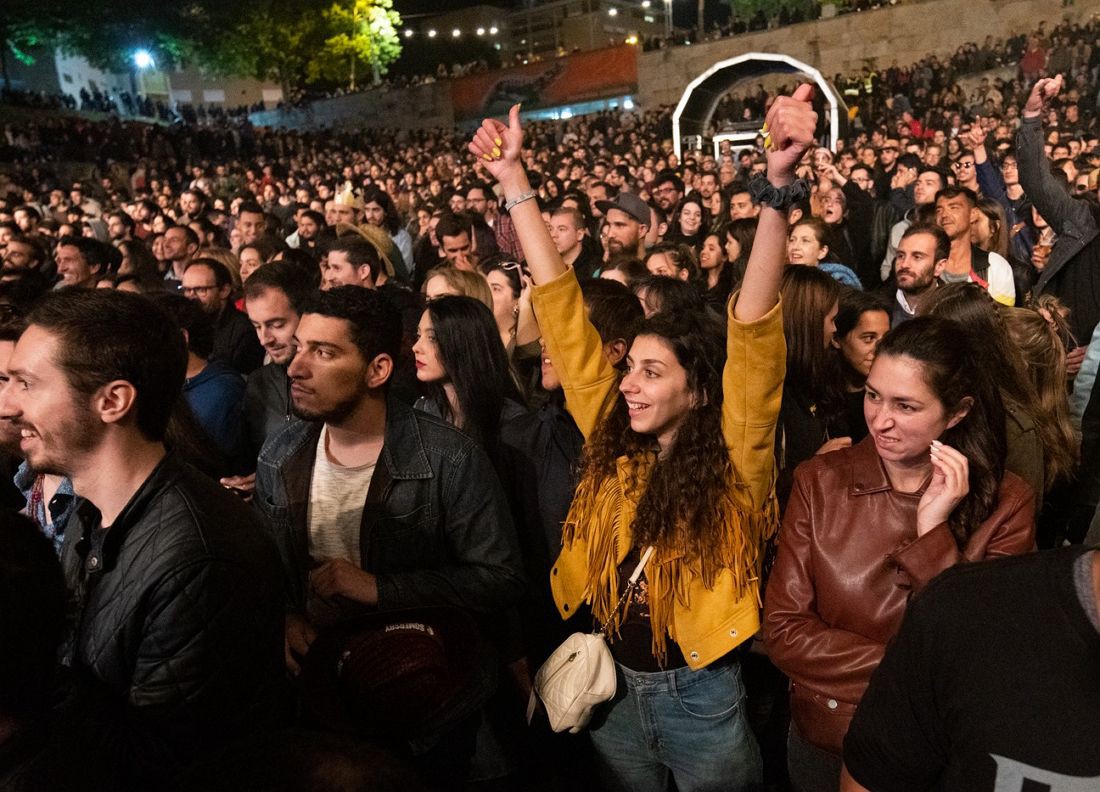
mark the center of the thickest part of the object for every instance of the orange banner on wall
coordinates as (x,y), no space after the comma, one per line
(575,78)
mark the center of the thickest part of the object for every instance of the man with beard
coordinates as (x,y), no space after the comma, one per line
(309,224)
(208,282)
(176,585)
(375,506)
(180,245)
(668,190)
(192,204)
(922,255)
(930,180)
(627,220)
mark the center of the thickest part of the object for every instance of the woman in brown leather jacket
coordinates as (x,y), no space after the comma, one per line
(869,525)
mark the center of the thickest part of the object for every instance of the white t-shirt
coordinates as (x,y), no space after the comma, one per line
(337,495)
(999,281)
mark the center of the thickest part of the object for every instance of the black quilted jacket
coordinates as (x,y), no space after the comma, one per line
(179,626)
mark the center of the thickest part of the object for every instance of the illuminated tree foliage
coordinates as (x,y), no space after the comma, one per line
(363,33)
(292,42)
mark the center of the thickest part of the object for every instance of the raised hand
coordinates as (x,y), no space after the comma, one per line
(1042,92)
(974,138)
(950,484)
(499,146)
(791,124)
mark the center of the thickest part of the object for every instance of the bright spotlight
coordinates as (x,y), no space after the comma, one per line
(628,104)
(143,60)
(456,33)
(612,12)
(493,30)
(481,31)
(431,33)
(408,34)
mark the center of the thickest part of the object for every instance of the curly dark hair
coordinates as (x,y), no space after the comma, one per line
(689,494)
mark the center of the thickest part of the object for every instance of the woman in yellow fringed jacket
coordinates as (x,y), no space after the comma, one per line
(682,461)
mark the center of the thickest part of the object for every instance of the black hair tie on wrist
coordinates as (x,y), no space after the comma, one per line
(765,193)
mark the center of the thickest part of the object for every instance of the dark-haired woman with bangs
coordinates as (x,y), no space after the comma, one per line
(678,457)
(867,526)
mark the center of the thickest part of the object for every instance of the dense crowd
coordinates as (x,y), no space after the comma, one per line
(426,411)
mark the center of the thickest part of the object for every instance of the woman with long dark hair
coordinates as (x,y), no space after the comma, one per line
(738,241)
(689,223)
(867,526)
(1029,432)
(861,322)
(462,364)
(678,458)
(811,420)
(716,279)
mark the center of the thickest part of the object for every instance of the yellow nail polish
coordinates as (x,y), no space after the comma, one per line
(498,141)
(496,151)
(486,157)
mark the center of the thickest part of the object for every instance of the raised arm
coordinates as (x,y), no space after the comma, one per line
(752,380)
(500,146)
(791,123)
(1064,213)
(572,343)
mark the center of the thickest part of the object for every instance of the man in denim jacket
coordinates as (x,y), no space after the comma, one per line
(374,505)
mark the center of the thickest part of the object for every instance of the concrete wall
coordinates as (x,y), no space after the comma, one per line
(904,33)
(422,107)
(192,86)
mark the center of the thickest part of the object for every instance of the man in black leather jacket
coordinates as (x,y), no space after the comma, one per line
(372,504)
(178,624)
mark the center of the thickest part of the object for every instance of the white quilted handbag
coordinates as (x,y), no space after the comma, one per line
(580,674)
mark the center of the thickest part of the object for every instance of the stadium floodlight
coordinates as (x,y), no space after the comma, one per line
(143,59)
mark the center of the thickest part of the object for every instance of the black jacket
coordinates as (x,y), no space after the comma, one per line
(266,406)
(1072,274)
(436,529)
(540,452)
(178,645)
(235,341)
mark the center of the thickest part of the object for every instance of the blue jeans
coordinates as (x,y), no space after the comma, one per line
(690,724)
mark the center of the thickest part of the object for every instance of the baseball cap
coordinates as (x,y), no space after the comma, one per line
(629,203)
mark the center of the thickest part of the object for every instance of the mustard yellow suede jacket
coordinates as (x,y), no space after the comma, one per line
(705,622)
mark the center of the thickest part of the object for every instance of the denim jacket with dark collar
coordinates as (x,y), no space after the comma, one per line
(436,527)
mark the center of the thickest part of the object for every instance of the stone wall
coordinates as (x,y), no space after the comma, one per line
(904,33)
(420,107)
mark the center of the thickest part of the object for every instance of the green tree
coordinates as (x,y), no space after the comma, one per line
(361,33)
(276,40)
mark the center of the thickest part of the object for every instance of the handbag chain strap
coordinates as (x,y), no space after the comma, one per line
(630,585)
